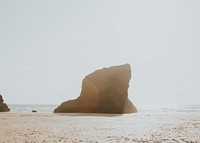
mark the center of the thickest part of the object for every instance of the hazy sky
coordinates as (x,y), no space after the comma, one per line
(47,47)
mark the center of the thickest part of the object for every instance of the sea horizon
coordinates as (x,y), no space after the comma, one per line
(49,108)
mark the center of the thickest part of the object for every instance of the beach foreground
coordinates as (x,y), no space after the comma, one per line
(139,127)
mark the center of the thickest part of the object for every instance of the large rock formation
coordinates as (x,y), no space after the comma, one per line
(3,106)
(103,91)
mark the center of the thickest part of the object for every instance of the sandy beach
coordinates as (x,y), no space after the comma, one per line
(95,128)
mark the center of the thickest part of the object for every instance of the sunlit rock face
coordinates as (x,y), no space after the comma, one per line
(3,106)
(103,91)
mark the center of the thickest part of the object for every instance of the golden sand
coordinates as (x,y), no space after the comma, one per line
(93,128)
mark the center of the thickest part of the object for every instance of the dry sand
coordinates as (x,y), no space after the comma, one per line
(67,128)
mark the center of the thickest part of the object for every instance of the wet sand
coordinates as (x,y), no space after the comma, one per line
(94,128)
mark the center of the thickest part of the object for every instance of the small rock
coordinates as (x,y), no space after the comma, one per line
(34,111)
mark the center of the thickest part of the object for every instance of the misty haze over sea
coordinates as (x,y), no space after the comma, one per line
(46,49)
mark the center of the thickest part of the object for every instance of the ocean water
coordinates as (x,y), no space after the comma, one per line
(28,108)
(50,108)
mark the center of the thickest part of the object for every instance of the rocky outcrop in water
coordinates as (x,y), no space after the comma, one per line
(103,91)
(3,106)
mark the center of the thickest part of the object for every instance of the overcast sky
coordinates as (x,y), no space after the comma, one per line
(47,48)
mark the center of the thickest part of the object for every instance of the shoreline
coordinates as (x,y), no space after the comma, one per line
(62,127)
